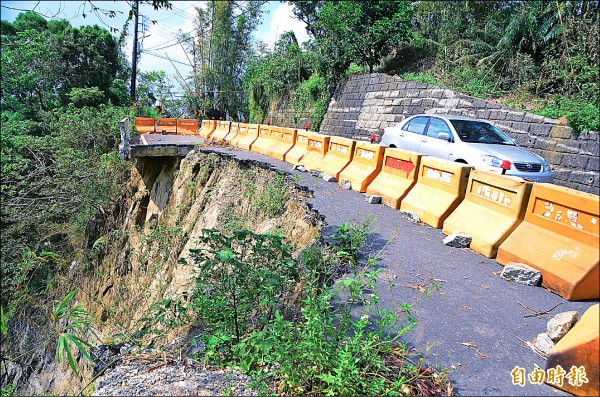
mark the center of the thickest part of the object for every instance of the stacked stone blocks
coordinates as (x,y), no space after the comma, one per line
(365,104)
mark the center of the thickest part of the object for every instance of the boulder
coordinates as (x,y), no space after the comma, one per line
(410,216)
(560,324)
(328,178)
(372,199)
(458,239)
(521,273)
(299,167)
(345,184)
(544,343)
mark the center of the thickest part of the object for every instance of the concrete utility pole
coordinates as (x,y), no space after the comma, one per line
(135,51)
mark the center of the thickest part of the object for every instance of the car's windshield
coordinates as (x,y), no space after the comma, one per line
(480,132)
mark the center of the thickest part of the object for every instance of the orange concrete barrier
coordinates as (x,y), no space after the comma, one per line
(283,143)
(221,131)
(493,207)
(267,137)
(338,156)
(241,133)
(187,126)
(398,175)
(144,125)
(211,127)
(440,187)
(316,149)
(247,134)
(299,149)
(365,166)
(233,131)
(166,126)
(580,347)
(205,126)
(559,237)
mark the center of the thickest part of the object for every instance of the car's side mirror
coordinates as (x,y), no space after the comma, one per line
(444,136)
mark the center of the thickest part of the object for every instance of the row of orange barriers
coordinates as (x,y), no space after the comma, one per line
(551,228)
(148,125)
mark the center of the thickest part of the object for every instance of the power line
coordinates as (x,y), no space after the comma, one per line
(174,42)
(165,58)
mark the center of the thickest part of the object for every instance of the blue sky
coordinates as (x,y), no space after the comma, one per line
(159,37)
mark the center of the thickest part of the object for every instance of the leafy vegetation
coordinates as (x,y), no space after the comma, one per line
(535,55)
(63,93)
(285,321)
(73,320)
(219,52)
(532,55)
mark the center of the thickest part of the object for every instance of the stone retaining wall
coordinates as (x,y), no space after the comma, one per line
(365,104)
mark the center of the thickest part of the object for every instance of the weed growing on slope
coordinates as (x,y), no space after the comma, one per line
(273,197)
(286,321)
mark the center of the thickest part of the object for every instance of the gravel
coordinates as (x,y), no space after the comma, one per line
(183,378)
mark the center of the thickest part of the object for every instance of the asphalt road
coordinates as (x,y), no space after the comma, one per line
(168,139)
(472,304)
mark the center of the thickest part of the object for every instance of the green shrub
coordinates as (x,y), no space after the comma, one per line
(311,94)
(284,321)
(420,77)
(273,197)
(239,282)
(348,239)
(586,119)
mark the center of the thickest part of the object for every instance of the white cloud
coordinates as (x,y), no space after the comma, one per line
(282,20)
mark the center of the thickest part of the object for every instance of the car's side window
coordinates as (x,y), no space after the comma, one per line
(436,126)
(416,125)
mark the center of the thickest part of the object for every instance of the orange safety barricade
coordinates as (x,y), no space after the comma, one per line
(578,351)
(559,237)
(211,126)
(338,156)
(205,126)
(144,125)
(267,136)
(316,149)
(247,135)
(221,131)
(241,133)
(440,187)
(187,126)
(283,143)
(299,149)
(365,165)
(233,131)
(493,207)
(166,126)
(398,175)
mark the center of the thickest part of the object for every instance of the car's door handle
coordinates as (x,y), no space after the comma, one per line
(401,134)
(424,140)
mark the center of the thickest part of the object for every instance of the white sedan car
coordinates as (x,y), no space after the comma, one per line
(467,140)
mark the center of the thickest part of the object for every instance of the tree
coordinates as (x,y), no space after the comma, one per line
(275,75)
(43,61)
(362,32)
(222,47)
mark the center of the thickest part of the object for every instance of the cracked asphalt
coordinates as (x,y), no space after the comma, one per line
(468,301)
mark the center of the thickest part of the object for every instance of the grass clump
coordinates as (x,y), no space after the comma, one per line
(292,323)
